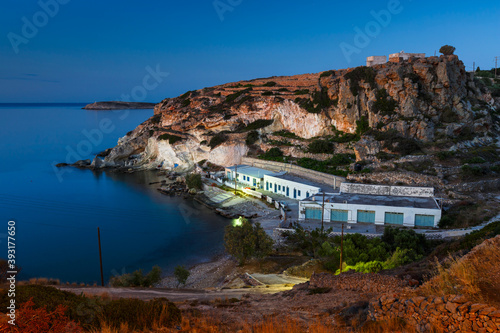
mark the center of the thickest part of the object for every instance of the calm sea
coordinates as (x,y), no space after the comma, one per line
(57,211)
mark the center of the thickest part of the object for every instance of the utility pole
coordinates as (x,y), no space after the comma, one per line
(323,213)
(341,247)
(235,177)
(100,255)
(496,61)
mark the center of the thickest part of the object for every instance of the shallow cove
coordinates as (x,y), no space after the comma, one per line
(57,212)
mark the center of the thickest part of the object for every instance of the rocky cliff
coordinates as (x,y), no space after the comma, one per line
(430,103)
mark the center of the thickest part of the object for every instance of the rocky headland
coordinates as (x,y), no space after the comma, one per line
(415,122)
(118,106)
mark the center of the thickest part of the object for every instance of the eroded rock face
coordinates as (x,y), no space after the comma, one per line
(420,99)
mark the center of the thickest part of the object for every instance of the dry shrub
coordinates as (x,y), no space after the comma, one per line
(392,325)
(476,275)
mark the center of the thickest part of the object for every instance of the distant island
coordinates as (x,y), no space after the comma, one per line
(118,105)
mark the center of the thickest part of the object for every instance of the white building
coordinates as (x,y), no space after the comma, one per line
(375,60)
(290,186)
(377,204)
(247,175)
(396,57)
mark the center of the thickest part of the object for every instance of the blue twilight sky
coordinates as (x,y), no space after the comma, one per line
(86,51)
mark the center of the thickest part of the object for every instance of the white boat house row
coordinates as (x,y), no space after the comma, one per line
(276,182)
(377,204)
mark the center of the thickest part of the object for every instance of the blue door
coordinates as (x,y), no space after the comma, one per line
(254,182)
(394,218)
(287,191)
(275,188)
(295,193)
(313,213)
(367,216)
(337,215)
(424,220)
(267,186)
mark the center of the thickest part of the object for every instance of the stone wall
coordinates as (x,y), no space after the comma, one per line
(355,281)
(447,314)
(316,176)
(387,190)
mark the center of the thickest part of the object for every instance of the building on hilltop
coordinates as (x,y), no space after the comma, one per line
(375,60)
(395,57)
(376,204)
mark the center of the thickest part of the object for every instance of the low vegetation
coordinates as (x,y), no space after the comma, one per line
(332,165)
(137,278)
(474,275)
(273,154)
(92,314)
(320,100)
(358,74)
(170,138)
(384,104)
(193,180)
(218,139)
(320,146)
(257,124)
(368,255)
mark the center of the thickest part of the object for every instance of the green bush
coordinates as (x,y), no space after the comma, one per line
(449,116)
(447,49)
(246,240)
(301,92)
(269,84)
(320,100)
(186,103)
(320,146)
(467,170)
(362,126)
(155,119)
(252,137)
(137,278)
(257,124)
(181,274)
(444,155)
(327,73)
(273,154)
(287,134)
(231,98)
(193,180)
(384,104)
(267,93)
(474,160)
(358,74)
(217,139)
(171,138)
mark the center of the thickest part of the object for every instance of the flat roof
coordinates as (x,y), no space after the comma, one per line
(251,171)
(296,179)
(377,200)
